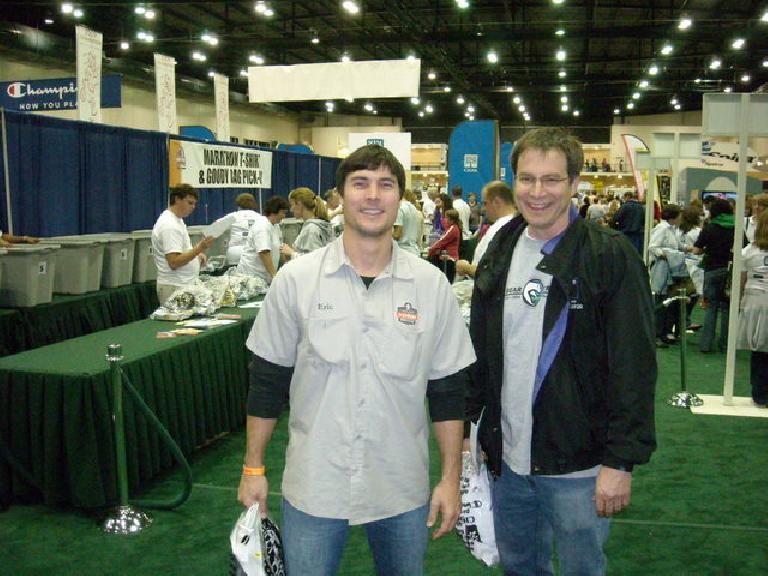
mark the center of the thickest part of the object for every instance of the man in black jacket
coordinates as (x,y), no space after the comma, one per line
(562,324)
(630,220)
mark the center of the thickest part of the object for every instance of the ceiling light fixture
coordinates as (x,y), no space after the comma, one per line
(411,58)
(560,32)
(263,8)
(667,49)
(149,14)
(421,114)
(492,57)
(345,57)
(516,100)
(616,111)
(329,106)
(745,78)
(463,4)
(677,107)
(415,100)
(431,76)
(67,8)
(564,107)
(199,56)
(446,89)
(368,106)
(521,108)
(350,7)
(428,108)
(210,39)
(48,21)
(765,63)
(561,74)
(460,100)
(558,2)
(561,54)
(643,84)
(563,88)
(244,72)
(563,99)
(470,108)
(140,10)
(727,89)
(715,63)
(630,105)
(738,43)
(653,70)
(510,88)
(124,45)
(576,113)
(685,23)
(673,101)
(635,95)
(256,59)
(78,13)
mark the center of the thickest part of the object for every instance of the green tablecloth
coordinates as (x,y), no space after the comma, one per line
(72,316)
(55,414)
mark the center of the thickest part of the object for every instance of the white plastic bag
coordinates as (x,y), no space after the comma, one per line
(475,523)
(247,546)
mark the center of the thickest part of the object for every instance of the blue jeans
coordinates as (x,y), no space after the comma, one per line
(714,283)
(313,545)
(529,512)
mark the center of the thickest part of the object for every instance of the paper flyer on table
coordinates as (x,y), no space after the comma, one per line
(219,227)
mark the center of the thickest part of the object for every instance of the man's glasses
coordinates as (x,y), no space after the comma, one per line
(526,181)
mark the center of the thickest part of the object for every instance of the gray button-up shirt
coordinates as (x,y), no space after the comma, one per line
(362,359)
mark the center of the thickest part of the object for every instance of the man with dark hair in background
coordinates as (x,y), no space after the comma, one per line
(261,255)
(178,262)
(358,333)
(630,220)
(562,324)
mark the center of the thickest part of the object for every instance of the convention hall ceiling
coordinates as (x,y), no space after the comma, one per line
(525,62)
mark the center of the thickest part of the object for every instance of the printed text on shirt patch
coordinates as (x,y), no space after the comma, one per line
(407,314)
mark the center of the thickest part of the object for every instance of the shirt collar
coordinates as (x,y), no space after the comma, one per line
(399,265)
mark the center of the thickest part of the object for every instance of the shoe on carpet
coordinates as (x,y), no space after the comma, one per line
(661,344)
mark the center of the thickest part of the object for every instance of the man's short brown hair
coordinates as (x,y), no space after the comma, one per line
(180,192)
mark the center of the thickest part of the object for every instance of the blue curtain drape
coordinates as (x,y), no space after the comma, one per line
(69,177)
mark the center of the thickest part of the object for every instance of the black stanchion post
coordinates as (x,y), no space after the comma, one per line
(124,519)
(683,399)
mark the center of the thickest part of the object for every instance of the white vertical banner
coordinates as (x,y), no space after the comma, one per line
(221,94)
(88,52)
(165,85)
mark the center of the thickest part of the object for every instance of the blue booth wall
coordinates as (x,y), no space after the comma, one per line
(69,177)
(472,155)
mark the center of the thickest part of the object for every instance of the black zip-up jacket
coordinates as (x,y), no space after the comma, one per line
(596,403)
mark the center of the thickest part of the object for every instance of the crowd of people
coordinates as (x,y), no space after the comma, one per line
(557,366)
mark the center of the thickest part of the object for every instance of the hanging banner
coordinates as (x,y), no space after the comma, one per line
(165,85)
(334,80)
(473,155)
(221,94)
(213,166)
(88,49)
(55,94)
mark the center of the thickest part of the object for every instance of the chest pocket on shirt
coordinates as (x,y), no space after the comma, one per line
(398,350)
(328,338)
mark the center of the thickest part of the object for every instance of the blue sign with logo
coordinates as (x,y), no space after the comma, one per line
(55,94)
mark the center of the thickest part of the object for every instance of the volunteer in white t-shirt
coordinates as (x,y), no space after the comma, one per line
(178,262)
(242,219)
(261,254)
(499,202)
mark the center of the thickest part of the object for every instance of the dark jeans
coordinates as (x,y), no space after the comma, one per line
(714,283)
(447,266)
(759,377)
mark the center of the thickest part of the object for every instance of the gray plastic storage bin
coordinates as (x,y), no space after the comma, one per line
(290,227)
(117,269)
(78,264)
(27,275)
(144,267)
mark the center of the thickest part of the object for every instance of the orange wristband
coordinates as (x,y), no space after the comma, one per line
(248,471)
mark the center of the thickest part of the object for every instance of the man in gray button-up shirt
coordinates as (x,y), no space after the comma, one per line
(358,334)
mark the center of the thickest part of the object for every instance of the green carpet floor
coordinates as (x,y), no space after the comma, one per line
(699,508)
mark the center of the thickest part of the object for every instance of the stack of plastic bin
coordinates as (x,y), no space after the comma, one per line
(27,275)
(290,228)
(144,267)
(79,263)
(117,269)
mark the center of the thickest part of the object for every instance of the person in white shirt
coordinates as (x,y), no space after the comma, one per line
(357,335)
(428,204)
(261,255)
(499,202)
(409,226)
(460,205)
(242,220)
(178,262)
(335,210)
(759,204)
